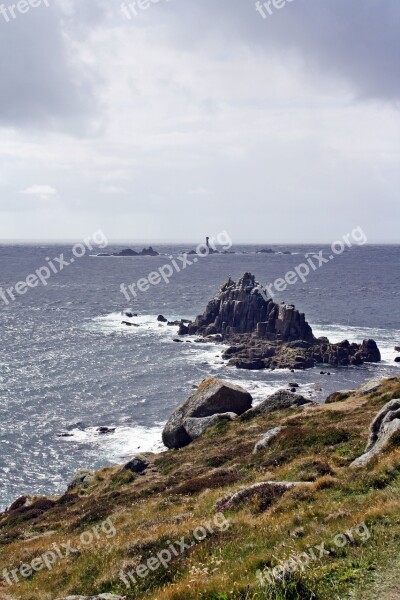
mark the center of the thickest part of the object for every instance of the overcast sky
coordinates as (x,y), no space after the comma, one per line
(197,116)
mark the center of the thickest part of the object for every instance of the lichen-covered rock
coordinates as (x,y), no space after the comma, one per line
(339,396)
(137,464)
(274,488)
(384,428)
(82,479)
(370,386)
(213,397)
(280,400)
(267,438)
(195,427)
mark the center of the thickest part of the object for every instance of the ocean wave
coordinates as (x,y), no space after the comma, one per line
(121,444)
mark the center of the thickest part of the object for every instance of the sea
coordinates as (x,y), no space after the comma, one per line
(68,365)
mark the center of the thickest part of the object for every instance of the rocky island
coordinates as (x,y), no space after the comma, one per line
(128,252)
(267,335)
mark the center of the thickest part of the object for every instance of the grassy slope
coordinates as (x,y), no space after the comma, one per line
(180,491)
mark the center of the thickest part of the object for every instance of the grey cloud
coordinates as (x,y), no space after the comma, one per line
(39,84)
(356,41)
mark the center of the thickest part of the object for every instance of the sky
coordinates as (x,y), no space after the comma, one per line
(176,119)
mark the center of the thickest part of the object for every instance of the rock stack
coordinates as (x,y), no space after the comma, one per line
(244,308)
(264,334)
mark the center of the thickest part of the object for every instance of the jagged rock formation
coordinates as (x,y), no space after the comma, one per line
(214,401)
(384,429)
(264,334)
(242,308)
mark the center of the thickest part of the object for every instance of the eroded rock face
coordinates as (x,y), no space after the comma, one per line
(243,308)
(212,398)
(266,335)
(384,428)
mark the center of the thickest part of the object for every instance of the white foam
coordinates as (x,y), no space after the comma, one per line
(123,443)
(113,323)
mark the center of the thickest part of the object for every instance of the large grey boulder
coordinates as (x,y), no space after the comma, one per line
(383,429)
(282,399)
(213,397)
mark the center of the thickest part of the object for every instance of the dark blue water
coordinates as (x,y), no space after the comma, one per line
(68,365)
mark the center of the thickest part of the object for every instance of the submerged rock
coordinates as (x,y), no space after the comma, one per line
(105,430)
(213,397)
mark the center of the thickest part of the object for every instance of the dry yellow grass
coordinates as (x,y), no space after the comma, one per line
(179,493)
